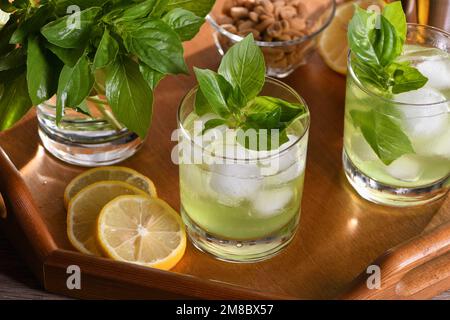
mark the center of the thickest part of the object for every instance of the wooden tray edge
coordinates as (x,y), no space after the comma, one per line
(416,269)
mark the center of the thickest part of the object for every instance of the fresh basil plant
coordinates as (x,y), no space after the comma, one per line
(232,95)
(376,41)
(120,49)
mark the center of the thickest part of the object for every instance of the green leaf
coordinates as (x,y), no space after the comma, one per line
(14,100)
(143,9)
(75,84)
(64,7)
(155,44)
(41,77)
(383,134)
(213,123)
(360,32)
(152,77)
(393,12)
(202,105)
(71,31)
(216,91)
(266,139)
(185,23)
(5,35)
(407,78)
(243,66)
(273,113)
(68,56)
(129,95)
(32,24)
(13,59)
(106,52)
(385,42)
(199,7)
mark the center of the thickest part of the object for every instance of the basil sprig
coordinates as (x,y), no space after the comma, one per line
(119,49)
(376,41)
(232,95)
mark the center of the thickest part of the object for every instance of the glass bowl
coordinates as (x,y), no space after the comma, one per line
(292,42)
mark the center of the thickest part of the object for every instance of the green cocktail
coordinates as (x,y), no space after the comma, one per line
(397,146)
(241,204)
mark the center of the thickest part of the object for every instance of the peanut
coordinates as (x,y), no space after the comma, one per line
(239,12)
(271,20)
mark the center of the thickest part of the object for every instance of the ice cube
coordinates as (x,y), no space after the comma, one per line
(439,147)
(194,179)
(269,203)
(361,149)
(287,158)
(406,168)
(437,70)
(234,177)
(424,121)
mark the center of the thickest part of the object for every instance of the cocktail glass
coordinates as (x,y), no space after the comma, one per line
(415,125)
(238,204)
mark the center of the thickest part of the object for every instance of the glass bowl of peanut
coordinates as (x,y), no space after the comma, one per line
(286,30)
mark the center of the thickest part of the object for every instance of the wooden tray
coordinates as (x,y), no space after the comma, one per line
(340,234)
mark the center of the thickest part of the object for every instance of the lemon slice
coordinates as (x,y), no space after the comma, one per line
(142,230)
(85,208)
(333,44)
(109,174)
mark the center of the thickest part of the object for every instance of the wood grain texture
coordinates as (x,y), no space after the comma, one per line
(340,234)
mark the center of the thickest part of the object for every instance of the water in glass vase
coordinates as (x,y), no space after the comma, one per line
(87,136)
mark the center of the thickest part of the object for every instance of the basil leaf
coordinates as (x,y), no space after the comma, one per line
(393,12)
(215,89)
(185,23)
(63,7)
(288,111)
(155,44)
(14,99)
(266,139)
(386,42)
(65,32)
(5,35)
(13,59)
(243,66)
(407,78)
(41,79)
(68,56)
(383,134)
(129,95)
(360,32)
(273,113)
(143,9)
(106,52)
(152,77)
(199,7)
(32,24)
(75,84)
(202,105)
(264,115)
(213,123)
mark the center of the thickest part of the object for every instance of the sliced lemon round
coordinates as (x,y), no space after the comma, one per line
(85,208)
(142,230)
(111,173)
(333,44)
